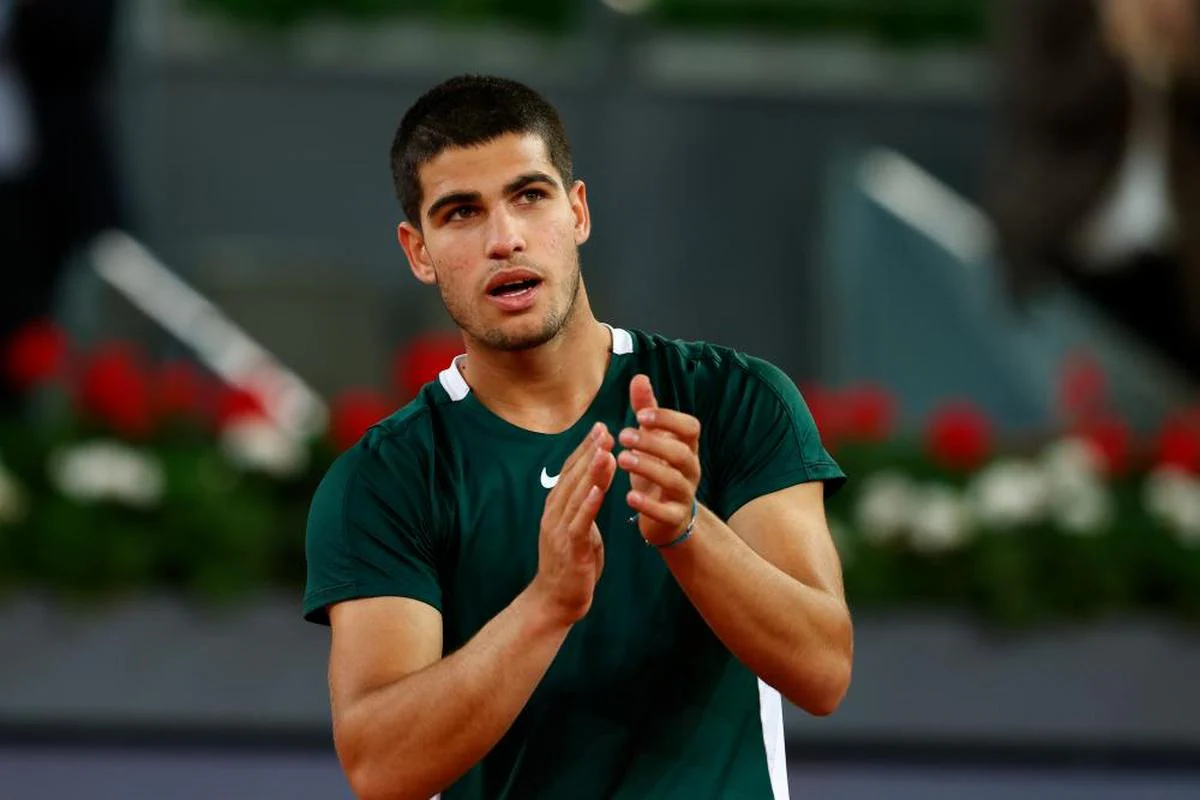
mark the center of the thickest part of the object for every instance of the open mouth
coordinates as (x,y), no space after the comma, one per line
(513,287)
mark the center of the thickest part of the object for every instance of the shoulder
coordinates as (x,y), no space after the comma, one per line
(709,365)
(400,445)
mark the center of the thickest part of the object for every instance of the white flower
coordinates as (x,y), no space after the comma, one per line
(1071,459)
(940,520)
(108,470)
(883,506)
(1173,496)
(259,445)
(1076,497)
(1008,494)
(13,503)
(1082,507)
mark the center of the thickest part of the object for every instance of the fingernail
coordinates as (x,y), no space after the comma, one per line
(629,436)
(646,416)
(598,431)
(629,458)
(635,497)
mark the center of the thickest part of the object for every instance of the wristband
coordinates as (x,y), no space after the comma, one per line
(683,537)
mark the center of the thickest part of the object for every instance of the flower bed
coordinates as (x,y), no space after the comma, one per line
(142,475)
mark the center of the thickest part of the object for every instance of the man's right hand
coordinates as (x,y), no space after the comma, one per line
(570,550)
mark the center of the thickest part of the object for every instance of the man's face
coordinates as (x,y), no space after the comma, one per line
(500,237)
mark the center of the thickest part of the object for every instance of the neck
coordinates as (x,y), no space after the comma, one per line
(546,388)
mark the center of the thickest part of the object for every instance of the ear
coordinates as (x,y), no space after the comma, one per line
(579,208)
(419,261)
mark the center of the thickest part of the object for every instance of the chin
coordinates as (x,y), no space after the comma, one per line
(521,334)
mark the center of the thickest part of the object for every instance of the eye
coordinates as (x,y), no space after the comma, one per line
(532,195)
(460,212)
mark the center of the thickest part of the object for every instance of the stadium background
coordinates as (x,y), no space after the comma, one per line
(804,180)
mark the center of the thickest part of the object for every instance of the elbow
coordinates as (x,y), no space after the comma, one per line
(364,779)
(825,699)
(825,696)
(825,687)
(368,781)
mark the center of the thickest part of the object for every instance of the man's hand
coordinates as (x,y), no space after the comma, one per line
(570,550)
(662,457)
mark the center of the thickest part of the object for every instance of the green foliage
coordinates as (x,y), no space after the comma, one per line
(219,532)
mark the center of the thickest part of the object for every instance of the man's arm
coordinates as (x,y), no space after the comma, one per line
(769,584)
(407,722)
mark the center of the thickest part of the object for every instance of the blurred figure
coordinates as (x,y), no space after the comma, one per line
(59,188)
(1099,179)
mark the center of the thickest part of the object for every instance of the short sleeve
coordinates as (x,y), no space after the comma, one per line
(762,437)
(368,531)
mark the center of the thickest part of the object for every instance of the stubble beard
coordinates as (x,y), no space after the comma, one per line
(498,339)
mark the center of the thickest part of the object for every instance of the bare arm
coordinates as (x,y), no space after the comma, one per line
(769,584)
(407,722)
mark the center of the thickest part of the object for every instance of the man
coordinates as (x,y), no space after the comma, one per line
(457,550)
(1098,175)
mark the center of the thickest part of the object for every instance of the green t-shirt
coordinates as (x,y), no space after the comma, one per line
(442,501)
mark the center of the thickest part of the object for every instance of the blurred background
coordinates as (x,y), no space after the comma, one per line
(967,229)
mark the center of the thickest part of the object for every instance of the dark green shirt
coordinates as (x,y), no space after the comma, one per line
(441,502)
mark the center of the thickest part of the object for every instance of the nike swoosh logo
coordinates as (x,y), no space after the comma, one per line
(548,482)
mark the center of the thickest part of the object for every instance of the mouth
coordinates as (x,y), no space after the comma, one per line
(513,287)
(512,282)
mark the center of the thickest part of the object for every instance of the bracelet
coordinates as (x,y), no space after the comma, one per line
(683,537)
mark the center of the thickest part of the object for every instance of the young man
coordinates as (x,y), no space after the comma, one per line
(576,565)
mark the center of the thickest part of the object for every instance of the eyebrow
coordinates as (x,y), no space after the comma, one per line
(512,187)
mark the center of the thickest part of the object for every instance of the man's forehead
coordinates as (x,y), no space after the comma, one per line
(485,167)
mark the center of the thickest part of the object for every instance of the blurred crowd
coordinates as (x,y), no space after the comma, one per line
(1099,176)
(58,186)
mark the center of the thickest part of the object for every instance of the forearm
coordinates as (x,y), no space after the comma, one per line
(793,636)
(412,738)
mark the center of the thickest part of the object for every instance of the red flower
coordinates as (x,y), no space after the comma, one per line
(181,391)
(867,413)
(823,405)
(114,389)
(36,354)
(1083,387)
(959,436)
(353,413)
(422,360)
(1178,444)
(1111,438)
(235,403)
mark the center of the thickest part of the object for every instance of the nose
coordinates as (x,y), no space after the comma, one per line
(504,236)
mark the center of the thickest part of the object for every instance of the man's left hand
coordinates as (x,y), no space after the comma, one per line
(662,457)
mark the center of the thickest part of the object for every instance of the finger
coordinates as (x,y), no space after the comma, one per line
(663,446)
(577,464)
(580,526)
(575,492)
(604,470)
(673,514)
(598,438)
(684,426)
(661,474)
(641,393)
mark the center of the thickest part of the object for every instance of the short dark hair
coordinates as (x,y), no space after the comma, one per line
(466,111)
